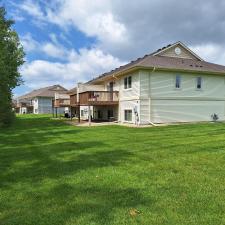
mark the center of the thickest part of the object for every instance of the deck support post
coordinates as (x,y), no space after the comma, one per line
(89,115)
(71,113)
(79,113)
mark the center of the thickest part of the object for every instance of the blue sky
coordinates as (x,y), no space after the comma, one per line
(68,41)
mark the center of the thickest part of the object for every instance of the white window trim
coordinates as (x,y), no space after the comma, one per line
(174,83)
(127,89)
(128,121)
(196,79)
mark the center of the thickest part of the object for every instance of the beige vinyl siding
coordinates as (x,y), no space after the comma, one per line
(45,105)
(145,111)
(132,93)
(84,112)
(129,98)
(167,111)
(144,97)
(144,84)
(186,104)
(171,53)
(163,86)
(116,84)
(128,105)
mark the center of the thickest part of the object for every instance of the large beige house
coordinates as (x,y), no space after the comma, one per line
(172,84)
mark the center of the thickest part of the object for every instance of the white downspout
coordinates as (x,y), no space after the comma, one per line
(154,69)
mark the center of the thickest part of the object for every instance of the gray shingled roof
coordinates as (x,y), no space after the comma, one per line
(44,92)
(164,62)
(181,64)
(72,91)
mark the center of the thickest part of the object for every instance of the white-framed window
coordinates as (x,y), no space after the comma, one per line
(82,112)
(178,82)
(128,82)
(199,83)
(128,115)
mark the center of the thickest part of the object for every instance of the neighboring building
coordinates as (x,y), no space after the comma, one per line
(40,101)
(82,110)
(172,84)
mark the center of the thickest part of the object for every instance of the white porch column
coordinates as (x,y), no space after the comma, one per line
(89,115)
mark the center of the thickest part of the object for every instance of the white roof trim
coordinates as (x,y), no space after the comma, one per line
(183,45)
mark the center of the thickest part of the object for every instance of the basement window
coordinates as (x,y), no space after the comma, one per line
(128,115)
(178,81)
(199,83)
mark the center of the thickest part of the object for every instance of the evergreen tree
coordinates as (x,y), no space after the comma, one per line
(11,58)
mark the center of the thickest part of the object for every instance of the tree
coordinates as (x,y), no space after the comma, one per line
(11,58)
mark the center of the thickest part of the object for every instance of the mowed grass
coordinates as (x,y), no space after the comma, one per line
(52,173)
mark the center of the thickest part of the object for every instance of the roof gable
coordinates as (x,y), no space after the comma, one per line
(177,50)
(57,88)
(44,92)
(164,59)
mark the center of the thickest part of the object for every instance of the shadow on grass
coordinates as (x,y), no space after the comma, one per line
(77,204)
(55,161)
(34,134)
(64,202)
(100,202)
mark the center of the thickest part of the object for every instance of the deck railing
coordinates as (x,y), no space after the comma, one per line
(61,102)
(99,97)
(95,98)
(103,96)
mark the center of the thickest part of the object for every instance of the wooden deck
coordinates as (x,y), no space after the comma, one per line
(61,103)
(94,98)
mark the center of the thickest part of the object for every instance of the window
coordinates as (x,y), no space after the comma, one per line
(127,82)
(100,114)
(128,115)
(110,113)
(82,112)
(199,82)
(178,81)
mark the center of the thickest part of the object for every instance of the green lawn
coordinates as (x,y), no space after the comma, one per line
(53,173)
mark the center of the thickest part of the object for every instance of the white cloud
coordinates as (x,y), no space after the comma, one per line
(54,51)
(211,52)
(32,8)
(82,65)
(29,44)
(93,18)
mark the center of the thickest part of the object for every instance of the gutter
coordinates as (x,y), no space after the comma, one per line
(127,71)
(154,69)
